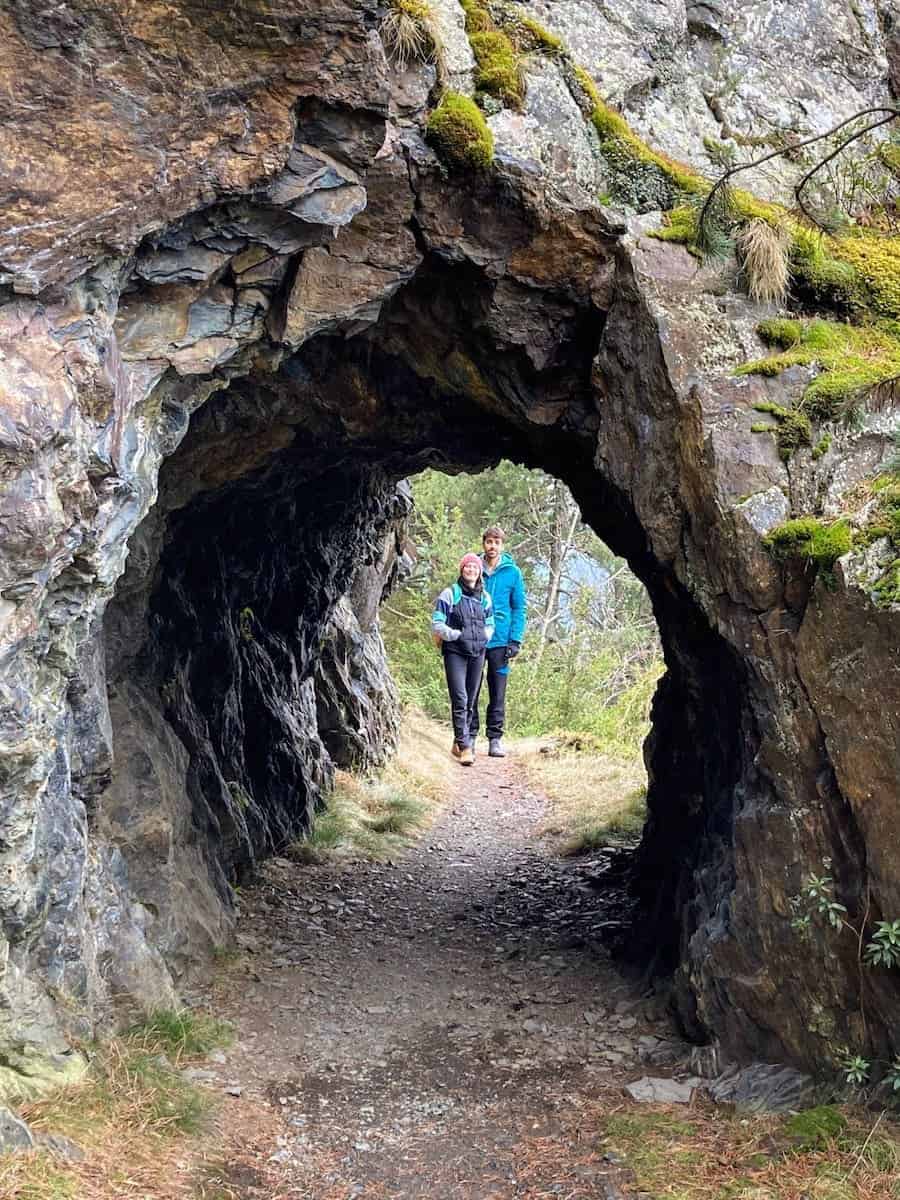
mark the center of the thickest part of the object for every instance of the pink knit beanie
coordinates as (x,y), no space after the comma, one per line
(470,558)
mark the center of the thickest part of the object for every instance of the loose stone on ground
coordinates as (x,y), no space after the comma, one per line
(430,1027)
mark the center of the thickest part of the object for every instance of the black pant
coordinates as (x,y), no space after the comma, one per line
(497,677)
(463,681)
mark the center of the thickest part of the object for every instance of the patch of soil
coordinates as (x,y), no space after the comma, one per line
(446,1026)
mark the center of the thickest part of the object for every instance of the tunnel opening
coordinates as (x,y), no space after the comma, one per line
(243,659)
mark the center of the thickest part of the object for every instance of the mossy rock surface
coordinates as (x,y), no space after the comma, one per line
(819,542)
(460,135)
(852,360)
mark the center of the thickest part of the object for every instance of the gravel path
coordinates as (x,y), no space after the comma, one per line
(445,1026)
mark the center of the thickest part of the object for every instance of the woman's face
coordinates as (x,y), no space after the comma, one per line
(470,573)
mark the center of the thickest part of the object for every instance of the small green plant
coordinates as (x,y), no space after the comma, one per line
(883,949)
(817,896)
(816,900)
(855,1068)
(460,134)
(239,794)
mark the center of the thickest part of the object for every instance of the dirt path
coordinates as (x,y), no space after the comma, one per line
(446,1026)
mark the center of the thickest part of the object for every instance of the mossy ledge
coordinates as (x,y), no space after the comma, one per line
(819,542)
(460,135)
(857,272)
(497,71)
(853,360)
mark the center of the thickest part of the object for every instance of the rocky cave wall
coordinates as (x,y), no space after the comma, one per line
(239,302)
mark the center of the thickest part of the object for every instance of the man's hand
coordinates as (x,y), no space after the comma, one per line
(512,650)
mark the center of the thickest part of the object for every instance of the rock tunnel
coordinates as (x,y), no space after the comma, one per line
(213,396)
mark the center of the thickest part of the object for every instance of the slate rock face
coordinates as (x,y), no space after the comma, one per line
(692,76)
(226,335)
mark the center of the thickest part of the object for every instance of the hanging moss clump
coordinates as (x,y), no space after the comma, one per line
(460,135)
(792,429)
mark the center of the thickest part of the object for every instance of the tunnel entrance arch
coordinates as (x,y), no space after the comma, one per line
(319,358)
(284,497)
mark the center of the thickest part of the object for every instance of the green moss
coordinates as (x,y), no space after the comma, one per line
(459,133)
(822,446)
(498,67)
(886,592)
(536,37)
(858,272)
(780,331)
(889,155)
(497,64)
(812,539)
(816,1128)
(640,170)
(245,624)
(478,19)
(791,429)
(852,360)
(416,9)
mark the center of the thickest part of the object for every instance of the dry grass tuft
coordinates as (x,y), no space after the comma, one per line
(377,817)
(710,1153)
(595,798)
(764,249)
(410,34)
(146,1133)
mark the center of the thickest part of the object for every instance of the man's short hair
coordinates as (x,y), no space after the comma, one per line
(494,531)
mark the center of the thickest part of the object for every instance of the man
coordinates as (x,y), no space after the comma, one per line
(504,583)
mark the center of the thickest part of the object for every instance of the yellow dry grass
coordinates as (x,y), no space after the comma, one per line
(705,1152)
(594,798)
(765,251)
(127,1117)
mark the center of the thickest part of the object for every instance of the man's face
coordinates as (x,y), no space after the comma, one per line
(493,548)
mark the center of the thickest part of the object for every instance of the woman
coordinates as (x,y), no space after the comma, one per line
(463,623)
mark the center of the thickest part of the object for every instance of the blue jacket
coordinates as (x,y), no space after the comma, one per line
(507,590)
(464,624)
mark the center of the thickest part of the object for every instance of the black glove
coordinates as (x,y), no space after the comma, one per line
(512,650)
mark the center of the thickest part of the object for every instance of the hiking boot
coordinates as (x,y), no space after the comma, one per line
(467,757)
(455,750)
(495,748)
